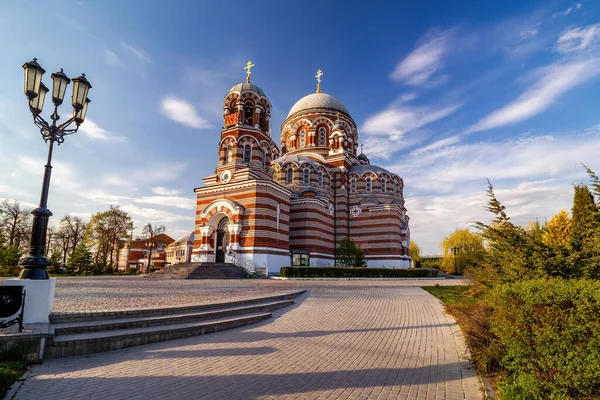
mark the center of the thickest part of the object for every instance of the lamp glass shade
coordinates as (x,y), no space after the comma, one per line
(37,103)
(80,114)
(59,87)
(81,87)
(33,78)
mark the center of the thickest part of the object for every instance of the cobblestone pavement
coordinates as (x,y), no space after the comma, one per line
(342,340)
(125,292)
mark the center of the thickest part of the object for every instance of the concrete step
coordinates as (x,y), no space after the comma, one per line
(140,322)
(97,342)
(83,316)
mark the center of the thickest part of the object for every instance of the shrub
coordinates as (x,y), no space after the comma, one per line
(338,272)
(550,329)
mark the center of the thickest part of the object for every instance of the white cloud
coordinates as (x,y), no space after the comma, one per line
(437,145)
(111,58)
(169,201)
(157,172)
(115,180)
(424,61)
(137,52)
(95,132)
(144,215)
(555,81)
(568,11)
(533,177)
(578,39)
(385,132)
(101,197)
(161,191)
(529,33)
(183,112)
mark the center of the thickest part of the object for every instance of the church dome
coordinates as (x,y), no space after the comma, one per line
(318,101)
(247,87)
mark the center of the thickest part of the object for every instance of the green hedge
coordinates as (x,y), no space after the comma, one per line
(550,331)
(340,272)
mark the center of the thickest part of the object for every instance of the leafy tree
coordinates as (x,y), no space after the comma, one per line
(55,258)
(585,228)
(506,256)
(81,260)
(105,230)
(415,253)
(469,252)
(349,254)
(150,233)
(558,230)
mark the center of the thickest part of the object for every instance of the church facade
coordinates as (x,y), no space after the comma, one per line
(292,204)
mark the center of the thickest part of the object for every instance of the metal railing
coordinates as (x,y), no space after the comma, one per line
(248,265)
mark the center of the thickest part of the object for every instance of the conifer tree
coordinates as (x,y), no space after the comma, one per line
(585,228)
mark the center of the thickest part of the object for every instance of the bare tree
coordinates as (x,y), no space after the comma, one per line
(15,222)
(76,229)
(150,233)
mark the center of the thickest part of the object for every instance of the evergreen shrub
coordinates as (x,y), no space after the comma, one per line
(339,272)
(550,332)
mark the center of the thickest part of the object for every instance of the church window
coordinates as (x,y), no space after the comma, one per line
(322,136)
(353,185)
(263,158)
(248,110)
(384,185)
(369,184)
(289,176)
(306,176)
(302,138)
(230,153)
(261,120)
(247,153)
(226,155)
(321,179)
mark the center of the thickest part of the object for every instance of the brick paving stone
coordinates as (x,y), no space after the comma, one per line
(343,339)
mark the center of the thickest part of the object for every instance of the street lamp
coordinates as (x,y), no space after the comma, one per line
(455,251)
(35,263)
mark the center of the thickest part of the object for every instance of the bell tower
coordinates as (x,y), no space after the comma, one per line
(246,148)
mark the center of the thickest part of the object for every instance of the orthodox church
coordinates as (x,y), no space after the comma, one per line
(293,204)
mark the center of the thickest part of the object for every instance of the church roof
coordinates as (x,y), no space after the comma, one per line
(296,159)
(318,101)
(360,169)
(247,87)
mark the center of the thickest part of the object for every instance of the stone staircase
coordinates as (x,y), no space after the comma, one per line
(76,334)
(207,270)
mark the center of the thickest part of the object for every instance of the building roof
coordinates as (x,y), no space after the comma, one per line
(183,239)
(319,101)
(247,87)
(360,169)
(297,159)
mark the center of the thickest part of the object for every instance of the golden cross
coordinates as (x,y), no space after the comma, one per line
(318,76)
(248,72)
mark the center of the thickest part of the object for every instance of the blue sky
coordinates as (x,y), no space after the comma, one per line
(445,94)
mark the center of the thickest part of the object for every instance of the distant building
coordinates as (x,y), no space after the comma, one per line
(180,251)
(135,254)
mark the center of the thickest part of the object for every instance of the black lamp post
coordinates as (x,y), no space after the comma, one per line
(35,263)
(455,251)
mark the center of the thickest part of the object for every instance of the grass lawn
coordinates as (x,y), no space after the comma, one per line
(12,366)
(450,294)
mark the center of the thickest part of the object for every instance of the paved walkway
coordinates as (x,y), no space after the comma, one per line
(340,341)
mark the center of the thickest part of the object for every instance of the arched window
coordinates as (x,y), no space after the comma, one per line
(263,157)
(247,153)
(384,185)
(369,184)
(306,176)
(289,176)
(226,155)
(261,120)
(353,185)
(320,179)
(230,153)
(302,142)
(322,136)
(248,110)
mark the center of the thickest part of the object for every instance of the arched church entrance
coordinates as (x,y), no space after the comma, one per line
(222,239)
